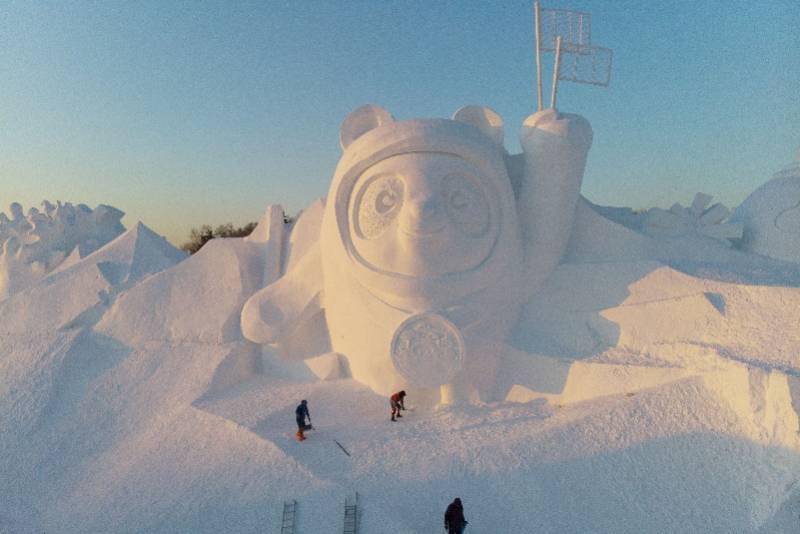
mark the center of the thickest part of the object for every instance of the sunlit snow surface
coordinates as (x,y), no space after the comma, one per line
(651,385)
(131,402)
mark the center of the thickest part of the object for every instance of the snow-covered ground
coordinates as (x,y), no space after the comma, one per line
(130,402)
(651,385)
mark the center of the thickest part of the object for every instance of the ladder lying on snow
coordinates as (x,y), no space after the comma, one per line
(287,520)
(350,515)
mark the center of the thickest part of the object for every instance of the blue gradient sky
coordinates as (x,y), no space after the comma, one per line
(205,112)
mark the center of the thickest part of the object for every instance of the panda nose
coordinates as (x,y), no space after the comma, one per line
(424,216)
(425,209)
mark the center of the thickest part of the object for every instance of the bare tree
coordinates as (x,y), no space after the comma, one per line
(200,236)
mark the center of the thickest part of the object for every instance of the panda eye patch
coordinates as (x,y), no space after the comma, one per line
(459,201)
(466,203)
(377,203)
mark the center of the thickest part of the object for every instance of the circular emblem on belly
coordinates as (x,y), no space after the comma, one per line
(427,350)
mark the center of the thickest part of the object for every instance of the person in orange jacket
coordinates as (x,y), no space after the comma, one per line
(396,402)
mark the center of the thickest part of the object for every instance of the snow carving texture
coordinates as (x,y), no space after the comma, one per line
(696,220)
(771,216)
(33,245)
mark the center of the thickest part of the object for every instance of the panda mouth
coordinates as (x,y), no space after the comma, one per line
(422,235)
(423,231)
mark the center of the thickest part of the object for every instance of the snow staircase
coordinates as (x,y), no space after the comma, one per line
(350,515)
(287,520)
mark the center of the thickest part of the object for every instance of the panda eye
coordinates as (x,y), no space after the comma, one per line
(377,204)
(385,201)
(459,200)
(467,206)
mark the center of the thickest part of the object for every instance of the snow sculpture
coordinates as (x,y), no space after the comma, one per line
(771,216)
(431,240)
(33,245)
(696,220)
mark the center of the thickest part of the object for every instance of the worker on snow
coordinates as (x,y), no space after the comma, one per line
(301,412)
(454,522)
(396,402)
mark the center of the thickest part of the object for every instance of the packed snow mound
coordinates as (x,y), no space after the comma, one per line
(771,216)
(42,334)
(698,219)
(608,309)
(81,291)
(600,237)
(49,361)
(199,300)
(33,245)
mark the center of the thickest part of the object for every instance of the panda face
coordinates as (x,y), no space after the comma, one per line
(423,215)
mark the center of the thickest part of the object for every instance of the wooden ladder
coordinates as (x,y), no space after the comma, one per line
(350,515)
(287,520)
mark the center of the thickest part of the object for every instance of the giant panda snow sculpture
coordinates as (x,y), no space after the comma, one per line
(432,239)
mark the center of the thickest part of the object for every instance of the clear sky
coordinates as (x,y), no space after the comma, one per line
(184,113)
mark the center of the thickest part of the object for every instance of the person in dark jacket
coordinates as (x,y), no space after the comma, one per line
(301,412)
(454,522)
(396,402)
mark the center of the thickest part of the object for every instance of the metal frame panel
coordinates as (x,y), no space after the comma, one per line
(574,27)
(590,65)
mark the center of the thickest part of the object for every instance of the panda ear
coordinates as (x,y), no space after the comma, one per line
(483,118)
(360,121)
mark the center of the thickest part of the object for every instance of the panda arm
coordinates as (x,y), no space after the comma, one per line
(555,146)
(275,312)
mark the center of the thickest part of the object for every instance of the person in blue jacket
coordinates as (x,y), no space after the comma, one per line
(301,412)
